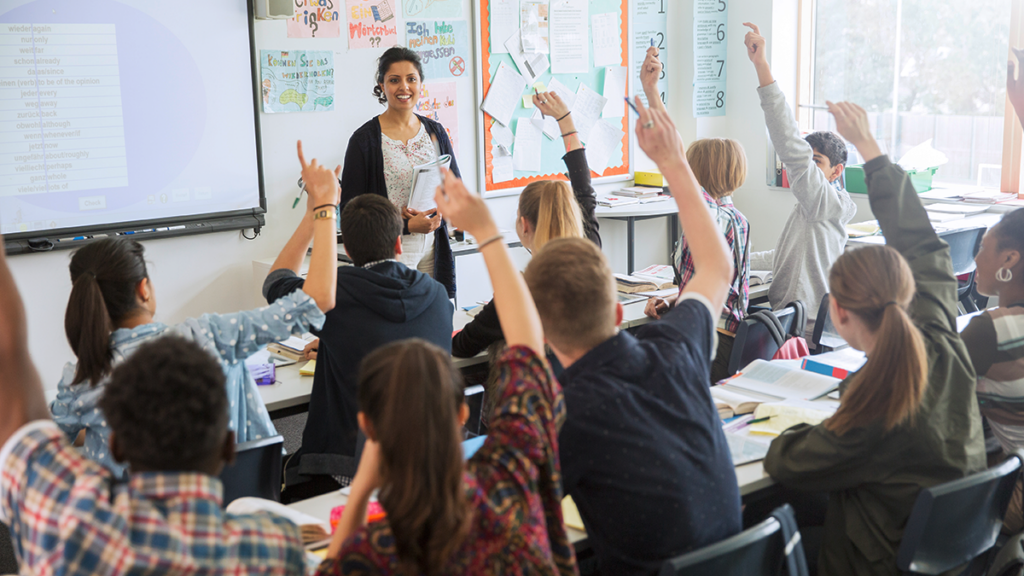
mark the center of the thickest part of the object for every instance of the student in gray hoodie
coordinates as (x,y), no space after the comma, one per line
(815,234)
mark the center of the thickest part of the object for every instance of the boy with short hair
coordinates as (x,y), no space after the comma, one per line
(642,449)
(815,234)
(379,300)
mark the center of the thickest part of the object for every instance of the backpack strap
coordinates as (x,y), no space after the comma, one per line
(796,563)
(799,319)
(771,321)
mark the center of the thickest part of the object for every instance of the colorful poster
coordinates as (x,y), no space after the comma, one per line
(710,48)
(371,24)
(443,45)
(315,19)
(297,80)
(437,102)
(432,8)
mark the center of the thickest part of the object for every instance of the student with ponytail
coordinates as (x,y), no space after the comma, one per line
(111,313)
(909,418)
(498,513)
(548,210)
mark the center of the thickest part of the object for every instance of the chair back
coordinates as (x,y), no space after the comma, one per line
(963,247)
(825,337)
(761,334)
(953,523)
(757,551)
(256,471)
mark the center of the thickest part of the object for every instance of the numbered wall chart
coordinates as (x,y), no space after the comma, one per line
(710,37)
(650,22)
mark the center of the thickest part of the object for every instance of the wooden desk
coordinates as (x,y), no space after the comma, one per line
(633,212)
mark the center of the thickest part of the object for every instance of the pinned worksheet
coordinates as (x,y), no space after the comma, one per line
(531,65)
(501,167)
(605,32)
(503,97)
(587,109)
(533,20)
(502,136)
(603,142)
(504,22)
(526,153)
(570,37)
(710,48)
(615,78)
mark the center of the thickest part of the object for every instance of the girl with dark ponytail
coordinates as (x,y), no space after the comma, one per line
(908,419)
(111,313)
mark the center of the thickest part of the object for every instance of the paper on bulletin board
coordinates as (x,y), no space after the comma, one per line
(367,26)
(534,25)
(650,23)
(504,23)
(438,102)
(443,46)
(710,43)
(570,37)
(316,19)
(432,8)
(297,80)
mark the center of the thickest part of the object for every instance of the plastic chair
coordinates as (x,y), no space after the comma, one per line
(256,470)
(762,333)
(825,337)
(758,551)
(953,523)
(963,247)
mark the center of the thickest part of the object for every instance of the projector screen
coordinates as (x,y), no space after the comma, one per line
(131,112)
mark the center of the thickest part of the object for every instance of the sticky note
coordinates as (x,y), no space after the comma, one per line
(527,101)
(539,87)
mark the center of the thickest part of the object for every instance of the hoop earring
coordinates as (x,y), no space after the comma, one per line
(1004,274)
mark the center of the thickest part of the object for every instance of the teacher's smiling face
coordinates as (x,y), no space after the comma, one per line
(402,86)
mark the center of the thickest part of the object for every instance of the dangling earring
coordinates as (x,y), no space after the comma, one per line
(1004,274)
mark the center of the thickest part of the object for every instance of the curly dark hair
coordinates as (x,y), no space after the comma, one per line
(169,402)
(830,145)
(389,57)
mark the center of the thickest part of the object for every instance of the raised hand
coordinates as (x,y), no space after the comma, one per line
(658,137)
(852,123)
(756,44)
(321,182)
(550,104)
(650,70)
(464,209)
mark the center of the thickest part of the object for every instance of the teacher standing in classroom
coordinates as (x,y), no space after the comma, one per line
(382,154)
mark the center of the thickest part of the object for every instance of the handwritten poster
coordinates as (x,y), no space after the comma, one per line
(650,23)
(315,19)
(443,46)
(710,42)
(432,8)
(437,102)
(297,80)
(371,24)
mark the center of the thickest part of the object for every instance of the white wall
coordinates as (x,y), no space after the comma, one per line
(213,273)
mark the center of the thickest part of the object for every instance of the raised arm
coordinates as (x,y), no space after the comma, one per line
(516,311)
(21,391)
(321,224)
(712,258)
(903,220)
(650,73)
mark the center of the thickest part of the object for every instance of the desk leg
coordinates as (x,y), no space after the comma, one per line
(630,244)
(673,235)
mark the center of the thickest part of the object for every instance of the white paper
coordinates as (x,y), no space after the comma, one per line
(604,139)
(546,123)
(425,180)
(534,23)
(586,111)
(251,505)
(504,23)
(570,37)
(531,66)
(526,153)
(504,94)
(710,48)
(605,31)
(551,129)
(615,78)
(501,136)
(501,167)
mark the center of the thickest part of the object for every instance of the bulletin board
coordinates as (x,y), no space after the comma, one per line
(552,166)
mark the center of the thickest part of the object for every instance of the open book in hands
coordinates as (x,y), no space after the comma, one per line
(425,180)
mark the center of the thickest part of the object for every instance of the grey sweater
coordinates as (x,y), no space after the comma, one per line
(815,234)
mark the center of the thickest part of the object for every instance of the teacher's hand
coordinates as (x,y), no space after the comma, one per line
(422,223)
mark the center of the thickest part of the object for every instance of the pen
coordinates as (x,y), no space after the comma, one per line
(757,420)
(302,186)
(632,106)
(652,41)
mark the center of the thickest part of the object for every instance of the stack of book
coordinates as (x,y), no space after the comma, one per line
(656,277)
(640,192)
(613,201)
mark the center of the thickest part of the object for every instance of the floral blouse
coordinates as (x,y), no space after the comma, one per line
(399,161)
(513,484)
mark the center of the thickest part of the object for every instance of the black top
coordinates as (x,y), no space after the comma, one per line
(364,174)
(642,449)
(485,329)
(374,307)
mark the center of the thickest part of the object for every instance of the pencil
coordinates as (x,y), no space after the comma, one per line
(652,41)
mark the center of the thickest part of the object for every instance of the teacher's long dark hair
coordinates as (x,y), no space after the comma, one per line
(105,276)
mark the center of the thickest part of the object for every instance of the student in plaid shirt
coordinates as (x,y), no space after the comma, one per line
(167,407)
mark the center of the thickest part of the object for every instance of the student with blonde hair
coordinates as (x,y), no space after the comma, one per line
(909,418)
(548,209)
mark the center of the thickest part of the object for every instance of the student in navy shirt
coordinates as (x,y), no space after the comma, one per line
(642,449)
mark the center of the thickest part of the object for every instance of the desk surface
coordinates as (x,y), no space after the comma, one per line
(983,219)
(663,208)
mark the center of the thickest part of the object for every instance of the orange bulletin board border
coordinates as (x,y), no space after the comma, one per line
(483,42)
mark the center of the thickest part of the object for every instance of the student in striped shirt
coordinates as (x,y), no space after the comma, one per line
(995,341)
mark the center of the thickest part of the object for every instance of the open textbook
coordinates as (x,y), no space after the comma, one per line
(425,180)
(779,382)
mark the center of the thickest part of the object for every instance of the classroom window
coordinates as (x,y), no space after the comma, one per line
(924,70)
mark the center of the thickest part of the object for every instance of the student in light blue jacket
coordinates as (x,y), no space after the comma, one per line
(111,313)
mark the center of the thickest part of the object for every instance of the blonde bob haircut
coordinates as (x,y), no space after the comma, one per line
(550,207)
(720,165)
